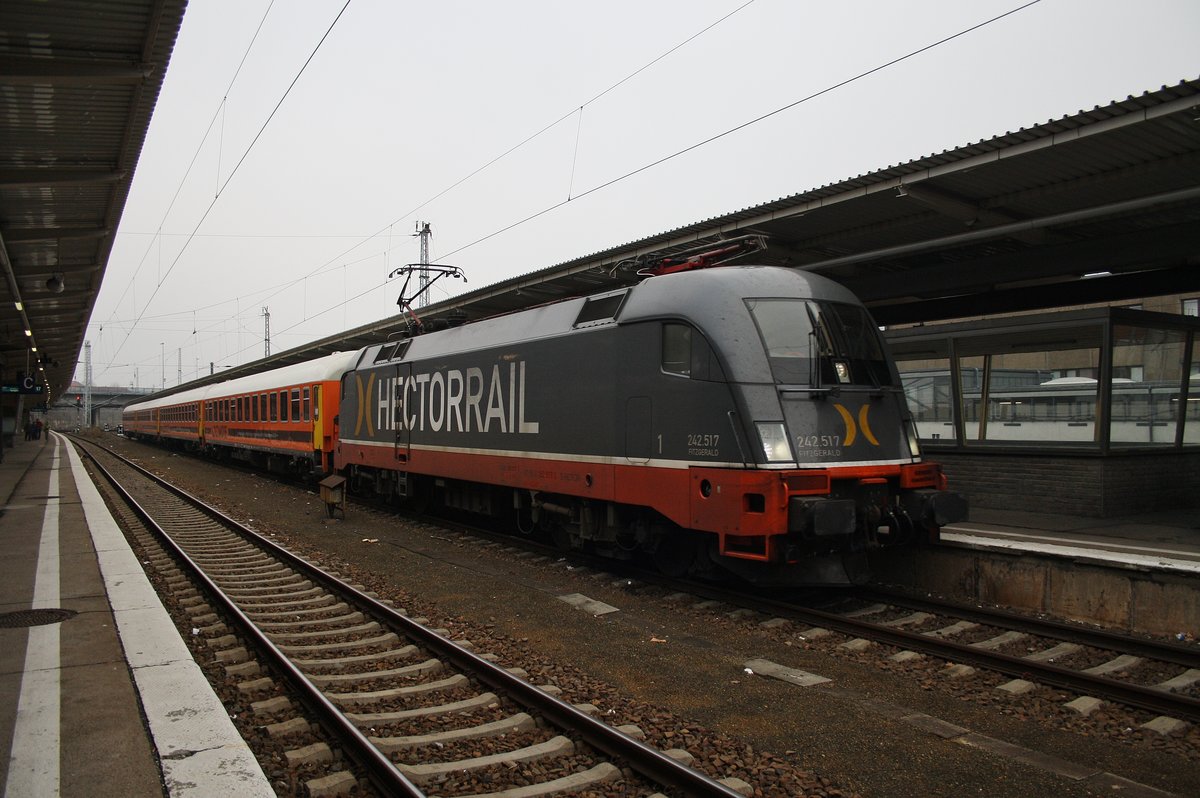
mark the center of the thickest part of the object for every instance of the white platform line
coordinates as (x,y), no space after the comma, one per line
(200,751)
(33,767)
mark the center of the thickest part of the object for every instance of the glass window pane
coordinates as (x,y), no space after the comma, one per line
(1044,397)
(930,400)
(1147,373)
(677,349)
(970,375)
(1191,420)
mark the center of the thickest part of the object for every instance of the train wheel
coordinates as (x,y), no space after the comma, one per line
(561,536)
(676,554)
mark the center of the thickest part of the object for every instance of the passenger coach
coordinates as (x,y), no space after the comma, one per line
(281,420)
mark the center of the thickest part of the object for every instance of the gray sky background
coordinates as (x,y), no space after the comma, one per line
(403,100)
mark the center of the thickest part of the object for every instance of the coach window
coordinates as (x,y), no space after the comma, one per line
(283,405)
(273,404)
(295,404)
(307,414)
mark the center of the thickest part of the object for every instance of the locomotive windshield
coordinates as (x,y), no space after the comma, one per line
(820,343)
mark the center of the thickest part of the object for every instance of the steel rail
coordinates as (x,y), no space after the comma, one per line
(1133,695)
(380,770)
(1186,656)
(1138,696)
(645,759)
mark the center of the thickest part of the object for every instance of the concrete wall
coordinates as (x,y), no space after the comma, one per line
(1090,486)
(1129,599)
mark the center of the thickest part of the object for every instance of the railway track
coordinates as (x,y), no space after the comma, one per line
(1097,665)
(1103,666)
(352,689)
(1032,650)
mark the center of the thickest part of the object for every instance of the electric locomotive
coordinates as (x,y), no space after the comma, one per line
(742,418)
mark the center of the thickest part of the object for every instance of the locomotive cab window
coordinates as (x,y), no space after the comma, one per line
(820,343)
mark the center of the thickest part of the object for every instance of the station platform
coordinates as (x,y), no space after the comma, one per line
(98,693)
(1167,541)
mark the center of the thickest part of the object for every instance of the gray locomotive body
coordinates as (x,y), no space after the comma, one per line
(743,417)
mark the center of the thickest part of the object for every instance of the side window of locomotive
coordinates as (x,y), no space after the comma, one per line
(687,353)
(677,349)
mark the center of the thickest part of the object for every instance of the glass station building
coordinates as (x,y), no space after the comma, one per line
(1090,412)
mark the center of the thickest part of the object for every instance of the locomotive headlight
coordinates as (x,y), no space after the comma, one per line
(774,441)
(914,442)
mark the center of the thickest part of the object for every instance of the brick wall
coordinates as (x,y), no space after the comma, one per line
(1101,487)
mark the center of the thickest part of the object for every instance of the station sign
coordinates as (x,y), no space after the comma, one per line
(24,385)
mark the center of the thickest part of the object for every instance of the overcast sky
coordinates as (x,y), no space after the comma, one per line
(308,215)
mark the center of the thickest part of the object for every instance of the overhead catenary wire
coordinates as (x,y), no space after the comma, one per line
(337,261)
(199,148)
(236,167)
(742,126)
(625,176)
(762,117)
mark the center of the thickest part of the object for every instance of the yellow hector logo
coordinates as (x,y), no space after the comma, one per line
(852,429)
(364,415)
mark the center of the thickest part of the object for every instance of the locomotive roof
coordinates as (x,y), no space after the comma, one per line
(708,295)
(323,369)
(712,300)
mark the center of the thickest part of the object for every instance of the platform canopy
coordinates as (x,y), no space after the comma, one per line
(78,84)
